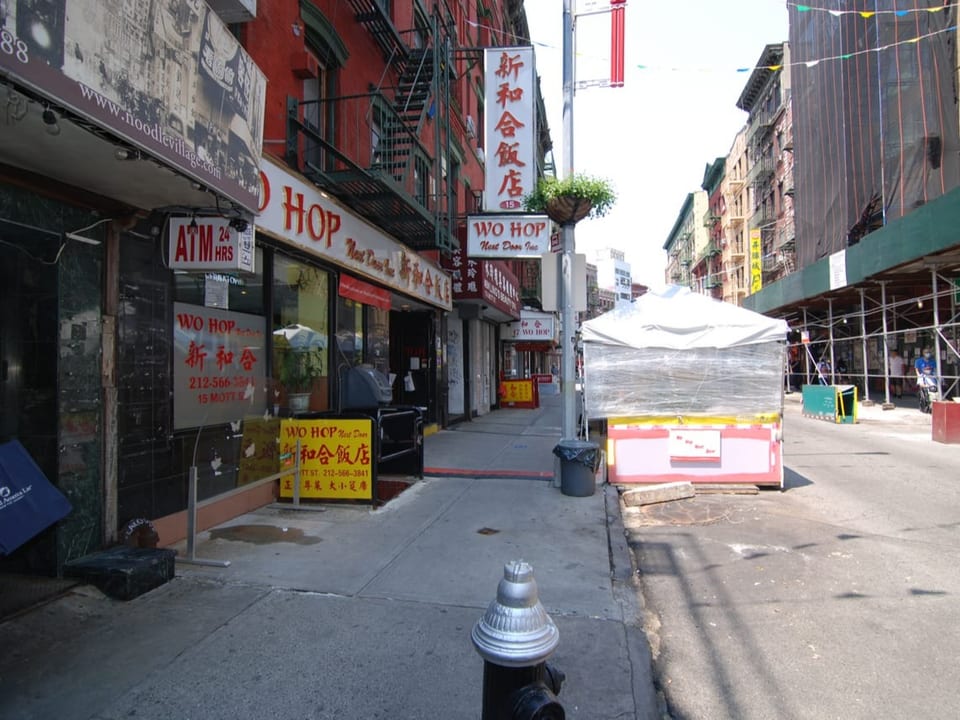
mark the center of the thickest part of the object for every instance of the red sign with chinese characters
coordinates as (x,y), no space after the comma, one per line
(510,127)
(489,280)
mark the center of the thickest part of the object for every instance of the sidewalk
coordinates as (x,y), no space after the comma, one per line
(351,612)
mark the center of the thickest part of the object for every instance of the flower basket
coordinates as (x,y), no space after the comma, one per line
(565,209)
(572,199)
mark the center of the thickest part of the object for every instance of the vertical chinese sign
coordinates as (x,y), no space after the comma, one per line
(219,366)
(756,261)
(509,127)
(336,458)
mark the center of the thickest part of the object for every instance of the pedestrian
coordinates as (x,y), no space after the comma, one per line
(825,372)
(925,364)
(896,374)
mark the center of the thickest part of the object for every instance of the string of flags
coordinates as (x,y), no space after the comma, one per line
(814,63)
(870,13)
(800,8)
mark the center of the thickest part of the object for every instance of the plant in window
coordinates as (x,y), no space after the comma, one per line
(571,199)
(299,368)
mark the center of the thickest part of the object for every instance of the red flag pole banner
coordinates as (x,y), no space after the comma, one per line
(617,39)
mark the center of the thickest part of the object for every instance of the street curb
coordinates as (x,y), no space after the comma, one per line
(486,474)
(626,591)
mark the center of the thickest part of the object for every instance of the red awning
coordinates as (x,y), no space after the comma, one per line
(364,292)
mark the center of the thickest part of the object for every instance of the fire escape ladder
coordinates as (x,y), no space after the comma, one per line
(371,15)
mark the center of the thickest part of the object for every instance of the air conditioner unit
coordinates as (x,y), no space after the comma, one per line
(480,156)
(304,65)
(471,126)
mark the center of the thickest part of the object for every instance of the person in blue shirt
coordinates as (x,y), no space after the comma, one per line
(925,365)
(928,385)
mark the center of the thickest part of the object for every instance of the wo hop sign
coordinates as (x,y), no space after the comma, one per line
(508,236)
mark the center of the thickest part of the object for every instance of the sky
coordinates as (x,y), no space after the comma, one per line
(653,137)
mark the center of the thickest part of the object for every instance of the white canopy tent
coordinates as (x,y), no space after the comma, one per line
(678,353)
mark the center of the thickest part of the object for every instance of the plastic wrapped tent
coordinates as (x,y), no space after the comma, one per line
(679,353)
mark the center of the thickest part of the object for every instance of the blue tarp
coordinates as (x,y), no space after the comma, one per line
(28,502)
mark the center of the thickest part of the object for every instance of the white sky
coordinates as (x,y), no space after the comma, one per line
(654,137)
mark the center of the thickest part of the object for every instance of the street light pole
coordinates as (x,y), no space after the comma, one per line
(568,243)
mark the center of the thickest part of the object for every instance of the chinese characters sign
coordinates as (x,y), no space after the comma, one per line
(508,236)
(756,261)
(489,280)
(336,458)
(509,128)
(532,326)
(218,366)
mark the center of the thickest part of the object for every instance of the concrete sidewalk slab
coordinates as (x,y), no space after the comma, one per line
(350,611)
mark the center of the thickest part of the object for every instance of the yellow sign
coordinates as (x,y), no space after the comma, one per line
(336,458)
(518,391)
(756,261)
(258,449)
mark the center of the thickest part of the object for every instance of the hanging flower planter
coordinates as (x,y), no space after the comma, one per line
(572,199)
(565,209)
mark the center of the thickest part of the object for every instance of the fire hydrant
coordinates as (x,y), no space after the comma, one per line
(515,637)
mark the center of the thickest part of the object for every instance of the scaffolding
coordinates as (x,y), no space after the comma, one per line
(853,341)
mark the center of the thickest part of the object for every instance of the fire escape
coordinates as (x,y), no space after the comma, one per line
(366,150)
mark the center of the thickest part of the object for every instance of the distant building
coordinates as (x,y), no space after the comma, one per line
(733,234)
(687,237)
(613,273)
(769,147)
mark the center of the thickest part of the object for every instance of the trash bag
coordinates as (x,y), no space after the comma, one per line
(580,452)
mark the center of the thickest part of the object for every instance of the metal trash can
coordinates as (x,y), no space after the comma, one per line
(579,462)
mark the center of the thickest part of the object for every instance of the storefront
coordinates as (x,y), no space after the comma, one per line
(486,293)
(530,347)
(91,174)
(383,302)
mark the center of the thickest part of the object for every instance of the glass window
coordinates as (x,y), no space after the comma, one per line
(239,292)
(377,350)
(301,348)
(363,335)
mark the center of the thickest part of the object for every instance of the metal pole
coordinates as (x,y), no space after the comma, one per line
(806,352)
(296,477)
(863,343)
(833,363)
(191,557)
(936,324)
(568,242)
(886,343)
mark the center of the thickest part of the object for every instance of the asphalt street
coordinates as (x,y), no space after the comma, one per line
(836,598)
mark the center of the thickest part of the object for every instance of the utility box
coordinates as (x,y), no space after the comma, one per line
(946,422)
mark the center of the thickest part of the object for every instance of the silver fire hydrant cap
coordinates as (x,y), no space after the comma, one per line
(515,631)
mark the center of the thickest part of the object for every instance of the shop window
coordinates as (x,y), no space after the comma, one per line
(300,325)
(377,348)
(228,291)
(363,335)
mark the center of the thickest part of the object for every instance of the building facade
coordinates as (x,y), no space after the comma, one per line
(736,201)
(226,237)
(687,240)
(708,266)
